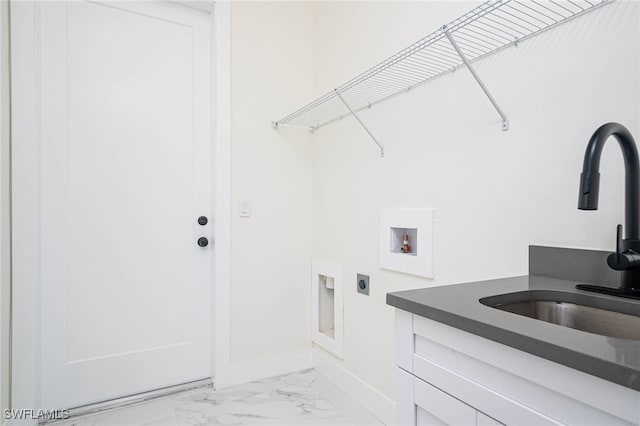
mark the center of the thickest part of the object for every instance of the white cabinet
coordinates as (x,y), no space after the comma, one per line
(428,405)
(446,376)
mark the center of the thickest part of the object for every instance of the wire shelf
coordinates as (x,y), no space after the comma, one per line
(490,27)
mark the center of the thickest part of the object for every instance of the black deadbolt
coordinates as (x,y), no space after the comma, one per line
(202,220)
(203,242)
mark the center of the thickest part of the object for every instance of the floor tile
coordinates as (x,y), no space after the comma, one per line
(170,421)
(301,398)
(134,415)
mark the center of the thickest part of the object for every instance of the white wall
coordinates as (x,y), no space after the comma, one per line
(271,71)
(5,241)
(494,192)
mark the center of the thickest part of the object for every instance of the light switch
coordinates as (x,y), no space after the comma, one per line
(245,209)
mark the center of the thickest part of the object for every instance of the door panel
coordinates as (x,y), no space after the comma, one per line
(125,160)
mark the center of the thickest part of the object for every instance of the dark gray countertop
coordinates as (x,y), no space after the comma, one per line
(612,359)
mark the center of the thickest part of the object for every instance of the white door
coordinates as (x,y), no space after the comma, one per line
(125,161)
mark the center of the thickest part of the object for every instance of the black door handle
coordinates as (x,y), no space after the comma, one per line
(203,242)
(202,220)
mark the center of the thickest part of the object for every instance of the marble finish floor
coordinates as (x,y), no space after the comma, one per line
(301,398)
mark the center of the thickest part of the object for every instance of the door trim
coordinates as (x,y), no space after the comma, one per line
(25,193)
(221,97)
(25,214)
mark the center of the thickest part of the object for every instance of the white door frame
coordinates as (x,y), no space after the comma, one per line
(221,98)
(25,141)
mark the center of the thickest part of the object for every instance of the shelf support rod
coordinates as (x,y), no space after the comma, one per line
(361,123)
(505,120)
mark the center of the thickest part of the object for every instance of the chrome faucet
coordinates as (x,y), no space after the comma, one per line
(627,255)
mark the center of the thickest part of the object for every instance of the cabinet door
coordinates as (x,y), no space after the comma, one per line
(405,405)
(435,407)
(423,417)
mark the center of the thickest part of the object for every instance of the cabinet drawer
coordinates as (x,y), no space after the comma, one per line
(435,407)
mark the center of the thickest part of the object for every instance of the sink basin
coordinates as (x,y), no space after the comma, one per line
(603,316)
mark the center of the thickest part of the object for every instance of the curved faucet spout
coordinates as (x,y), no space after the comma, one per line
(627,255)
(590,177)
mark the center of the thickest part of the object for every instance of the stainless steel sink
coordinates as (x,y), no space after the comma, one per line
(620,319)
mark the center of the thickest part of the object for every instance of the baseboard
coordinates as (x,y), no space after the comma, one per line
(383,408)
(238,374)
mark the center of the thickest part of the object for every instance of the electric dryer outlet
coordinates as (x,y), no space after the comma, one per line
(363,284)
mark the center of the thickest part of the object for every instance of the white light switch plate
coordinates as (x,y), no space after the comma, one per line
(245,209)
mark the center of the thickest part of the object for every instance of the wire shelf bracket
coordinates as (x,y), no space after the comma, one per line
(366,129)
(489,28)
(505,119)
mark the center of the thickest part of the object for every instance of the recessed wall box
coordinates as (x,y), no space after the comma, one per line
(326,306)
(406,241)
